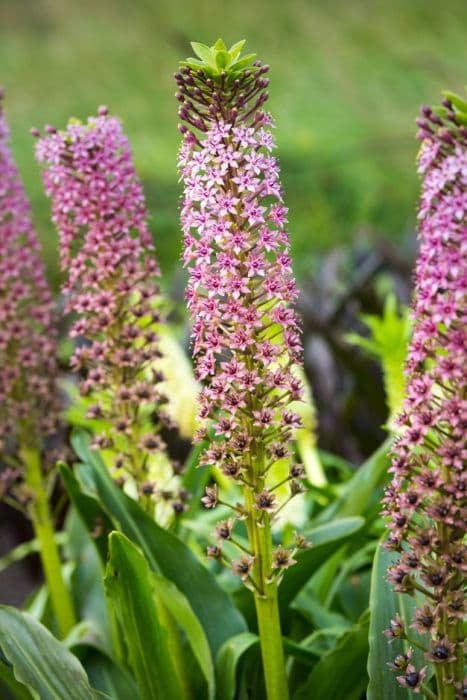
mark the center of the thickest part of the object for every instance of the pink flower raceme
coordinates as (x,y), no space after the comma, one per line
(241,290)
(426,503)
(106,250)
(28,392)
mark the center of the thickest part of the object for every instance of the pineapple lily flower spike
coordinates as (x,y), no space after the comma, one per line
(245,336)
(107,252)
(425,503)
(29,406)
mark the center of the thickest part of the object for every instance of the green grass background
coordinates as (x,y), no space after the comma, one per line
(348,77)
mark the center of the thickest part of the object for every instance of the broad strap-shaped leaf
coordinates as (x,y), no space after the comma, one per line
(105,674)
(181,611)
(313,610)
(40,661)
(24,549)
(129,587)
(340,674)
(205,53)
(87,586)
(164,552)
(90,511)
(325,540)
(384,605)
(10,686)
(195,479)
(227,660)
(361,491)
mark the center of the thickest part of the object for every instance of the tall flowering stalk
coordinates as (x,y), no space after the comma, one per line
(111,288)
(245,333)
(28,371)
(425,502)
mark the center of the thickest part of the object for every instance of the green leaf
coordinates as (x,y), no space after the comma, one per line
(40,661)
(300,651)
(361,491)
(322,641)
(9,685)
(243,62)
(128,585)
(236,49)
(105,674)
(384,605)
(195,478)
(164,552)
(24,550)
(456,100)
(388,343)
(203,52)
(325,541)
(358,562)
(321,582)
(180,609)
(87,583)
(192,63)
(220,45)
(222,60)
(309,605)
(340,673)
(90,510)
(227,660)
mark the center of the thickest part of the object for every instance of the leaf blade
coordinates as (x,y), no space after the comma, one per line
(180,609)
(227,660)
(40,661)
(338,674)
(165,553)
(384,605)
(128,586)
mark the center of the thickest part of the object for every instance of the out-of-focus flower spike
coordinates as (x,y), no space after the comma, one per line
(111,286)
(28,367)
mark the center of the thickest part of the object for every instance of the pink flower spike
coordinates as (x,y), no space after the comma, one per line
(28,337)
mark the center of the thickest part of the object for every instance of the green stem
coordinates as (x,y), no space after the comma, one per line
(266,603)
(44,530)
(269,626)
(459,663)
(445,690)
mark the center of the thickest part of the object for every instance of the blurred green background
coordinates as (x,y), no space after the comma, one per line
(348,77)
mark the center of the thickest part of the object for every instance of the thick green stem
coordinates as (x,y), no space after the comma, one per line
(267,608)
(453,672)
(44,531)
(446,691)
(269,626)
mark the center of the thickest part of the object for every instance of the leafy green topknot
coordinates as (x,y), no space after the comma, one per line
(217,60)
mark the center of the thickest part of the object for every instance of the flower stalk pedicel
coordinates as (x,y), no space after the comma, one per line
(425,503)
(28,390)
(106,250)
(245,333)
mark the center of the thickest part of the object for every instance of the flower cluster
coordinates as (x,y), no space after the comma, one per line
(28,391)
(106,250)
(241,289)
(425,502)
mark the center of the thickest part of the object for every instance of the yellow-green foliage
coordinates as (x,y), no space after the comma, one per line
(389,336)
